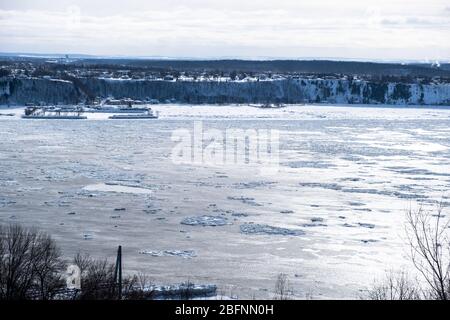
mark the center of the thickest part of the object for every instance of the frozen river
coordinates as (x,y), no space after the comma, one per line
(331,218)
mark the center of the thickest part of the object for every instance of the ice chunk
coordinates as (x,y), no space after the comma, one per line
(109,187)
(250,228)
(205,220)
(170,253)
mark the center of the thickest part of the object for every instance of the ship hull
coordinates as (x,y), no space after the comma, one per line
(131,117)
(55,117)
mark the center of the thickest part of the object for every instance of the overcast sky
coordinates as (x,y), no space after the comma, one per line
(358,29)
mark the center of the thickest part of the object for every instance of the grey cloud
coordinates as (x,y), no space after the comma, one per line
(211,28)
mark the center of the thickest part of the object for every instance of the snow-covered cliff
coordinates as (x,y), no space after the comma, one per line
(21,91)
(18,91)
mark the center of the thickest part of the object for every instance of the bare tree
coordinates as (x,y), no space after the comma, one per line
(428,239)
(97,278)
(283,290)
(30,264)
(143,280)
(131,289)
(430,248)
(138,287)
(16,262)
(31,267)
(98,283)
(48,268)
(82,261)
(396,286)
(187,290)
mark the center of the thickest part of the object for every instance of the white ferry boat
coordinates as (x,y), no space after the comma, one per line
(147,115)
(53,113)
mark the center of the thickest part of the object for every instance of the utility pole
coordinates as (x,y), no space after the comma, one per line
(118,272)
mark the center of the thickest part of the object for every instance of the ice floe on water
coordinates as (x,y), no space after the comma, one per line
(346,176)
(362,190)
(417,171)
(250,228)
(366,225)
(88,236)
(170,253)
(5,202)
(315,222)
(205,220)
(369,240)
(309,164)
(246,200)
(108,187)
(240,214)
(253,184)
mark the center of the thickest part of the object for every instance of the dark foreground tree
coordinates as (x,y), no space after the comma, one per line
(30,264)
(396,286)
(428,235)
(429,243)
(31,267)
(97,278)
(98,281)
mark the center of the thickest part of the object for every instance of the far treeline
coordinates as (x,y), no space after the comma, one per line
(318,67)
(284,66)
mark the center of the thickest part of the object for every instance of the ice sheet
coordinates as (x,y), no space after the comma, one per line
(347,176)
